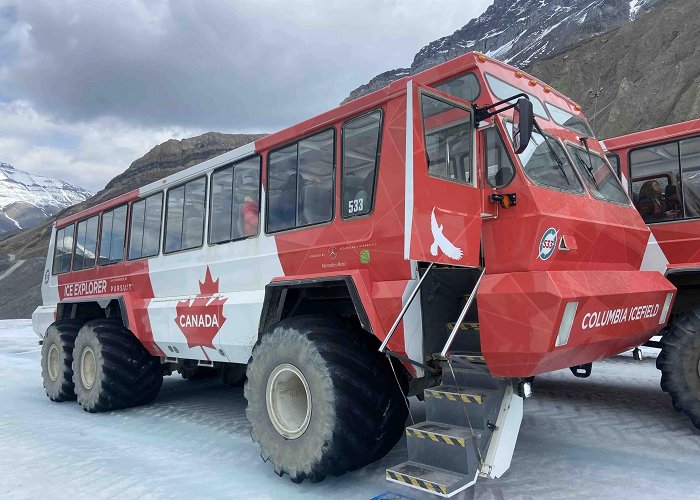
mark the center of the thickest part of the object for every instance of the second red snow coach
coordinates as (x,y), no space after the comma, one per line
(424,238)
(661,167)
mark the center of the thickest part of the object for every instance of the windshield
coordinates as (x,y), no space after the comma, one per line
(543,167)
(598,176)
(504,90)
(568,120)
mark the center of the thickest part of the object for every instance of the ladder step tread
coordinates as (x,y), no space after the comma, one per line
(454,393)
(426,478)
(444,433)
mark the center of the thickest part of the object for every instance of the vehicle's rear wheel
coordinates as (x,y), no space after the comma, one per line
(57,359)
(321,399)
(112,369)
(679,362)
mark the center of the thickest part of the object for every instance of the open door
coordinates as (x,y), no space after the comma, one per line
(443,202)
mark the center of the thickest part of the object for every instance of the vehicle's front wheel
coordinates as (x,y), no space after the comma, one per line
(321,399)
(57,359)
(112,369)
(679,362)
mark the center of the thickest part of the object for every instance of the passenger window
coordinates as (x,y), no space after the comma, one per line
(184,216)
(465,87)
(86,244)
(614,160)
(301,183)
(144,233)
(235,201)
(63,250)
(112,236)
(447,130)
(690,167)
(360,157)
(656,178)
(499,167)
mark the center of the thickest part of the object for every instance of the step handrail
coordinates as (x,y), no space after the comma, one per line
(462,314)
(404,309)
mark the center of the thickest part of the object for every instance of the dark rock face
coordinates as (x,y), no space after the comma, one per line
(519,32)
(648,70)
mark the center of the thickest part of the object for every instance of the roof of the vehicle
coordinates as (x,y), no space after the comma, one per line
(658,134)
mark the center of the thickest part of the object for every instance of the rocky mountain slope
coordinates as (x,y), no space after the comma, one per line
(647,71)
(520,32)
(27,199)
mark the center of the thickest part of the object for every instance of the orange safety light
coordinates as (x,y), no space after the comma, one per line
(548,89)
(519,74)
(482,58)
(577,107)
(532,83)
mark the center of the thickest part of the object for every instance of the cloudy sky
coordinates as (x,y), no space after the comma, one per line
(86,86)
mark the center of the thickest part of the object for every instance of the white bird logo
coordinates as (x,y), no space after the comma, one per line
(441,242)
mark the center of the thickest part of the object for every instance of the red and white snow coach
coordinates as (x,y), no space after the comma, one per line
(661,168)
(421,239)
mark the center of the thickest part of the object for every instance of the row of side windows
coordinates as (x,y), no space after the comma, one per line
(301,187)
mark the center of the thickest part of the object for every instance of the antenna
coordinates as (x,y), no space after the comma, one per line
(595,94)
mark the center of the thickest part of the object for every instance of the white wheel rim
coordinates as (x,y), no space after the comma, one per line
(88,367)
(288,401)
(53,362)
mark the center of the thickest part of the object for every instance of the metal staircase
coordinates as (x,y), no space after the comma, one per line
(472,422)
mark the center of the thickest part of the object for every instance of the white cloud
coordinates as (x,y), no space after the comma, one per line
(86,87)
(87,154)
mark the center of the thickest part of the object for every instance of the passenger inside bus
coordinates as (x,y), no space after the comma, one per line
(653,205)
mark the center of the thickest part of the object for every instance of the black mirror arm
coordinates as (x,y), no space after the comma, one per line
(482,113)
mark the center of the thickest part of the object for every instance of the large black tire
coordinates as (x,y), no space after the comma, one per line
(357,412)
(679,362)
(125,374)
(57,351)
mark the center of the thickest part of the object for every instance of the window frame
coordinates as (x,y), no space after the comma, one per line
(549,112)
(377,161)
(335,173)
(164,210)
(618,165)
(473,170)
(605,160)
(505,143)
(583,191)
(130,220)
(532,97)
(97,216)
(456,77)
(630,167)
(126,234)
(211,199)
(55,247)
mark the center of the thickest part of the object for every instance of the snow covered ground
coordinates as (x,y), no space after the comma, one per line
(613,435)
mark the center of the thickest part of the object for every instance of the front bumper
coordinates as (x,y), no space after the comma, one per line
(537,322)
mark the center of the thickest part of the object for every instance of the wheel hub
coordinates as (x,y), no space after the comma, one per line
(88,367)
(288,401)
(53,362)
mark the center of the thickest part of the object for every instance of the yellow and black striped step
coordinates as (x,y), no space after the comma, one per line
(451,435)
(453,393)
(429,479)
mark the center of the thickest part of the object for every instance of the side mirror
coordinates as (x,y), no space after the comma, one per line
(522,124)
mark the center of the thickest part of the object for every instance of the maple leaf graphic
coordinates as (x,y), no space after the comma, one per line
(201,318)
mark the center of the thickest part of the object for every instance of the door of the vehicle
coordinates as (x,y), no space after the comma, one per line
(443,201)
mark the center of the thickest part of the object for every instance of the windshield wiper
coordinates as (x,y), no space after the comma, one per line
(588,167)
(560,164)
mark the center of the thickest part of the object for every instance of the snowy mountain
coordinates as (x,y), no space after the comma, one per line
(520,32)
(26,199)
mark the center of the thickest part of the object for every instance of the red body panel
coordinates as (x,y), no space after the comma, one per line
(616,311)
